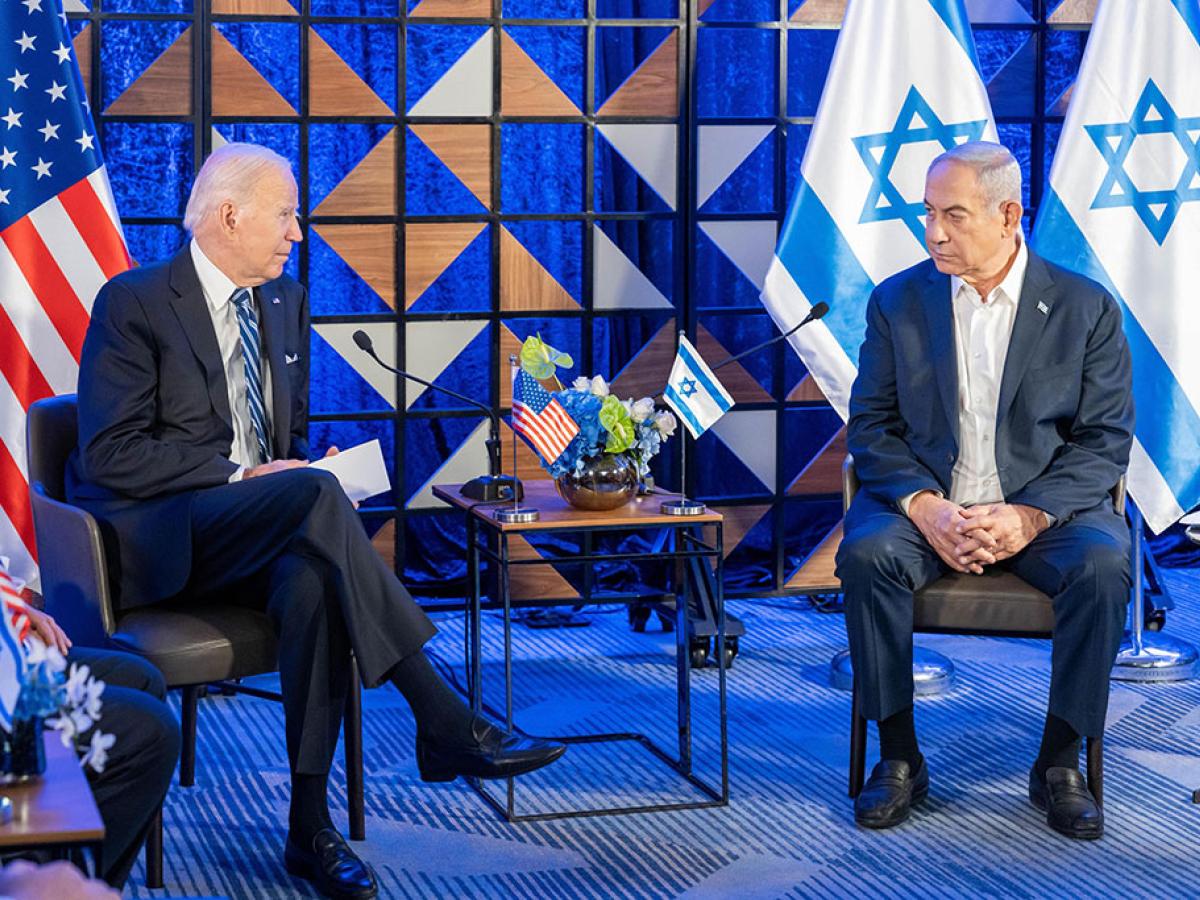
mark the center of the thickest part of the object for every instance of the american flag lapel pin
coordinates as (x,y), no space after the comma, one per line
(1042,308)
(275,301)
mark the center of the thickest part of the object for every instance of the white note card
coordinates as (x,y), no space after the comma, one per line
(360,470)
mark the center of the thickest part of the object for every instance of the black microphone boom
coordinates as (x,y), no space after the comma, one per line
(813,314)
(490,487)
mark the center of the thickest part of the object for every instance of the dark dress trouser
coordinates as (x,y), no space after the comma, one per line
(141,761)
(1082,564)
(295,539)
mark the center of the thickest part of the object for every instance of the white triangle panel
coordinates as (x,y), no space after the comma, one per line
(997,12)
(465,89)
(651,150)
(468,461)
(721,150)
(432,346)
(616,282)
(750,434)
(340,336)
(74,6)
(750,245)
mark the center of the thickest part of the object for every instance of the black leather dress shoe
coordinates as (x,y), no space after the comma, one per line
(1069,806)
(890,793)
(493,753)
(334,869)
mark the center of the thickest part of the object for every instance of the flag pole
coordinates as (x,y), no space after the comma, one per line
(683,506)
(516,514)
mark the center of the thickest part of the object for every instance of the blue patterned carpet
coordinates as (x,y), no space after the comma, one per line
(789,830)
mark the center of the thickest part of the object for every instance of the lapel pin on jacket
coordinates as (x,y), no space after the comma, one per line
(1042,308)
(275,300)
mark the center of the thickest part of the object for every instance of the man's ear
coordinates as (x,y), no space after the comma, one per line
(227,215)
(1012,211)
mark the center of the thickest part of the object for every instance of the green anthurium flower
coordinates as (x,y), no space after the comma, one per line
(540,360)
(615,418)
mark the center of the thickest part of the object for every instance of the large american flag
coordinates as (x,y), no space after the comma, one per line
(60,239)
(539,418)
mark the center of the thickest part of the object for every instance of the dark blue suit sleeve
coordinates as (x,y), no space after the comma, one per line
(299,448)
(118,384)
(883,460)
(1096,451)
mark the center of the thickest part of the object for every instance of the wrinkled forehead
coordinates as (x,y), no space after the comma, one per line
(951,183)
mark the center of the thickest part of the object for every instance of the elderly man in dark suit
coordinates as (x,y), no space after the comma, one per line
(193,433)
(991,417)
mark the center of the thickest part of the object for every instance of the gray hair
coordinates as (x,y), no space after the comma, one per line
(997,169)
(231,172)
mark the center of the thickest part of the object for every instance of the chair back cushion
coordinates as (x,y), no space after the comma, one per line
(53,432)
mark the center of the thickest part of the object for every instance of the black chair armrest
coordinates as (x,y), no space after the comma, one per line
(850,483)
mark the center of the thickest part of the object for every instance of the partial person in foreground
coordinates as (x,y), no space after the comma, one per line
(193,454)
(990,419)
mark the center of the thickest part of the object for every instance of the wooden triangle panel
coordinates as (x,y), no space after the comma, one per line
(646,374)
(238,89)
(452,9)
(525,285)
(466,150)
(370,187)
(384,543)
(816,574)
(370,250)
(525,90)
(334,89)
(738,522)
(1064,100)
(702,7)
(165,88)
(429,249)
(806,389)
(253,8)
(529,467)
(535,582)
(652,89)
(1073,12)
(742,386)
(820,12)
(823,474)
(82,43)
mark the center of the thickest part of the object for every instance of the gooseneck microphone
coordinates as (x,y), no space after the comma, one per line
(813,314)
(491,487)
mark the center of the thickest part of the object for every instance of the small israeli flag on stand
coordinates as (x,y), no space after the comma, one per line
(1123,208)
(13,631)
(904,86)
(694,392)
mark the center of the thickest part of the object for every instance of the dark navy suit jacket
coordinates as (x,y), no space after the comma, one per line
(1065,414)
(154,419)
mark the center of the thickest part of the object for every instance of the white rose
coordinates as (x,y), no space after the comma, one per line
(665,423)
(599,386)
(582,383)
(642,410)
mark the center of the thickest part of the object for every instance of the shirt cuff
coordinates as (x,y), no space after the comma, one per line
(238,475)
(904,501)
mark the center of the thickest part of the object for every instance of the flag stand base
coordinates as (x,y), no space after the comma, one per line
(515,515)
(682,508)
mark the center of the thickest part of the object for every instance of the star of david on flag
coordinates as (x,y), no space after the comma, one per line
(694,392)
(1120,208)
(903,88)
(539,418)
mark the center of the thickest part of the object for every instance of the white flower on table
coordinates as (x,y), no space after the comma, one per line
(642,410)
(665,422)
(97,752)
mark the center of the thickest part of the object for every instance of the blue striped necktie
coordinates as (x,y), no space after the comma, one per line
(252,357)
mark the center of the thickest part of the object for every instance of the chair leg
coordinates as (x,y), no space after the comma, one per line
(154,852)
(858,745)
(1095,768)
(354,758)
(187,755)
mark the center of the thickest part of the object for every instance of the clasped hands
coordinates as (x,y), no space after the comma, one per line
(969,538)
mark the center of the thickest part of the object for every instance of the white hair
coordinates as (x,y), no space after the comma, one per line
(997,169)
(232,173)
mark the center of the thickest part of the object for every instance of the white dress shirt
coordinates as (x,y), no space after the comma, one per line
(982,330)
(218,294)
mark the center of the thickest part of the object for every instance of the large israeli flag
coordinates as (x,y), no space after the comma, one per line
(1123,207)
(904,86)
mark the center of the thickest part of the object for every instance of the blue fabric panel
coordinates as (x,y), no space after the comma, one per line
(344,435)
(996,47)
(797,143)
(722,474)
(1011,87)
(353,7)
(1064,53)
(751,187)
(719,283)
(618,339)
(371,51)
(638,9)
(428,443)
(543,9)
(1019,139)
(559,52)
(273,48)
(805,431)
(465,285)
(810,53)
(150,243)
(149,166)
(736,72)
(560,333)
(431,50)
(335,386)
(334,287)
(1052,132)
(649,245)
(76,24)
(741,332)
(128,47)
(435,543)
(558,246)
(282,137)
(541,168)
(751,564)
(742,11)
(618,187)
(793,370)
(805,524)
(619,51)
(431,189)
(146,6)
(333,151)
(469,374)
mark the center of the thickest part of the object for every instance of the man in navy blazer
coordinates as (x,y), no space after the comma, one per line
(193,456)
(990,419)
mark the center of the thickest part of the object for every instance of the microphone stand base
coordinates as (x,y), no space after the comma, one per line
(515,515)
(491,488)
(682,508)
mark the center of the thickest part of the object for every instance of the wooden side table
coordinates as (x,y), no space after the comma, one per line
(56,811)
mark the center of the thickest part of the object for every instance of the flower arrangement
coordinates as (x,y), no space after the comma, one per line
(607,424)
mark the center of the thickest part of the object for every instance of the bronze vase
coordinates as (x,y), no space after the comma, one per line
(607,481)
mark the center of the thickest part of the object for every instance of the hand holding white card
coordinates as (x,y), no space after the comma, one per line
(360,470)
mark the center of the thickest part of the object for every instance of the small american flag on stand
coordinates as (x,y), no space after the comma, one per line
(539,418)
(60,239)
